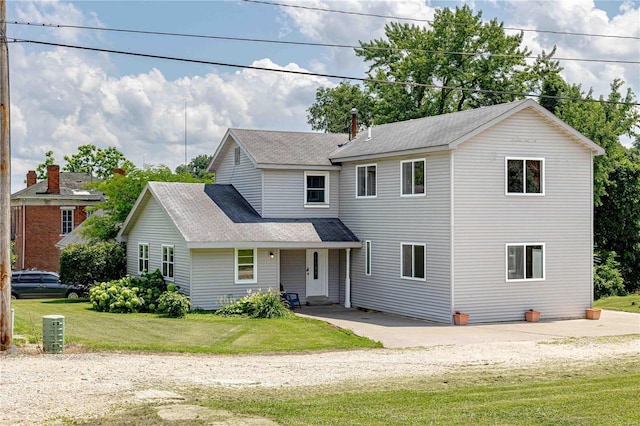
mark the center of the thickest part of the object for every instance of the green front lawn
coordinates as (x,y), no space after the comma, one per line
(197,333)
(630,303)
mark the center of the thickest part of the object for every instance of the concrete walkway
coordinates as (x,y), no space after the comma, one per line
(401,332)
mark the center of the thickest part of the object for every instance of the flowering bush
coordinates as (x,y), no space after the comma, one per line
(173,304)
(116,296)
(257,305)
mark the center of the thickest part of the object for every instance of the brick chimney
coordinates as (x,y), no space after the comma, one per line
(53,179)
(32,178)
(118,171)
(354,123)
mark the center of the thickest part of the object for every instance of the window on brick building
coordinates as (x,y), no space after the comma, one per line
(67,221)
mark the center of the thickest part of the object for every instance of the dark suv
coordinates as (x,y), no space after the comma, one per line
(40,285)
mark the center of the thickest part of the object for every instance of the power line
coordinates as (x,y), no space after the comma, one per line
(401,18)
(302,43)
(310,74)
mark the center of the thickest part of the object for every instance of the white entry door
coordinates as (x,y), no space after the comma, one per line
(317,272)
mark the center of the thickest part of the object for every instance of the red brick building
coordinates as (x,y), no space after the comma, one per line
(44,212)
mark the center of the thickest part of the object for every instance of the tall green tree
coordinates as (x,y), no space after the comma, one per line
(331,112)
(197,167)
(98,162)
(121,193)
(41,170)
(459,51)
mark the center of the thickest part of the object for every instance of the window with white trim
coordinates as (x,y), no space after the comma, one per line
(366,180)
(316,189)
(167,261)
(413,261)
(367,257)
(67,220)
(143,257)
(525,262)
(245,260)
(524,176)
(413,177)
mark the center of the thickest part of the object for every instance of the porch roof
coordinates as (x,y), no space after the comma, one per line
(217,216)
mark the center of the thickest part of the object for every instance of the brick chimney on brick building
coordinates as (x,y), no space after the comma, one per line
(32,178)
(118,171)
(53,179)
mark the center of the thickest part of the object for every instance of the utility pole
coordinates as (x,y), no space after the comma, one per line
(5,188)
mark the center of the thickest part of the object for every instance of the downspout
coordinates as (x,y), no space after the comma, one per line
(452,231)
(23,237)
(347,280)
(591,290)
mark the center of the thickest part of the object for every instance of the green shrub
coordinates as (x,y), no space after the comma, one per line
(119,296)
(86,264)
(151,286)
(257,305)
(607,280)
(173,304)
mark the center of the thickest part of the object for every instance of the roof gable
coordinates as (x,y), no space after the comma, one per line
(443,132)
(276,149)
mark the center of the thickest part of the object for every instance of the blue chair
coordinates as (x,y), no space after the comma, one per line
(291,298)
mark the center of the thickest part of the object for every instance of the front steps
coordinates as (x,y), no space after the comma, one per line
(318,301)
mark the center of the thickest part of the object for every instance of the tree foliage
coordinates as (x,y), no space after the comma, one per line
(98,162)
(41,170)
(121,193)
(86,264)
(197,167)
(607,280)
(331,111)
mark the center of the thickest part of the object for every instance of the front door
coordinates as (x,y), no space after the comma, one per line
(317,272)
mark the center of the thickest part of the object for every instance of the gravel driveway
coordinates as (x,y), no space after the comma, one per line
(35,388)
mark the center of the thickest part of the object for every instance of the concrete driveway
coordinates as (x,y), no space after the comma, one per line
(401,332)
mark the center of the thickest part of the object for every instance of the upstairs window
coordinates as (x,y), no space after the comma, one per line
(167,261)
(366,180)
(236,156)
(67,220)
(525,262)
(413,177)
(316,189)
(525,176)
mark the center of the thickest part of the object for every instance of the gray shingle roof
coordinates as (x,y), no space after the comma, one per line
(214,214)
(71,187)
(419,133)
(289,148)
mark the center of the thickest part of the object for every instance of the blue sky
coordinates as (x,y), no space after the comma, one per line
(62,98)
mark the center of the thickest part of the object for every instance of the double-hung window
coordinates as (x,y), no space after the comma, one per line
(366,180)
(414,261)
(524,176)
(167,261)
(67,220)
(143,257)
(413,177)
(245,266)
(525,262)
(316,189)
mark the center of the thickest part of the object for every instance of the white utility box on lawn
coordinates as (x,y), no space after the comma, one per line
(53,334)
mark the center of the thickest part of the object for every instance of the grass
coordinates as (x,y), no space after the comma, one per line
(630,303)
(197,333)
(556,395)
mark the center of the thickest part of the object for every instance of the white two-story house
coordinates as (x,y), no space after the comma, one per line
(486,211)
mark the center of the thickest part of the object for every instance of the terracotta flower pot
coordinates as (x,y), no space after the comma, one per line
(593,314)
(460,319)
(532,316)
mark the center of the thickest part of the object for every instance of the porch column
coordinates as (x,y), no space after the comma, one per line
(347,281)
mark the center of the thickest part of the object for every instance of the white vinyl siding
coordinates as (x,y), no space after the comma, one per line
(284,195)
(316,189)
(413,175)
(153,227)
(486,221)
(390,219)
(167,262)
(245,266)
(143,257)
(366,180)
(238,170)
